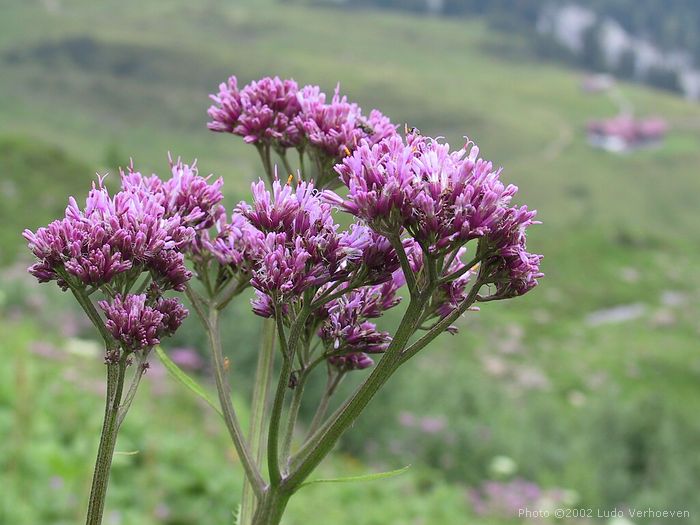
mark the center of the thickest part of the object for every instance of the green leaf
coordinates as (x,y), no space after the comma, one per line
(237,516)
(186,380)
(365,477)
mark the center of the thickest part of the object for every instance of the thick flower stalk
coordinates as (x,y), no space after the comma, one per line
(127,248)
(436,220)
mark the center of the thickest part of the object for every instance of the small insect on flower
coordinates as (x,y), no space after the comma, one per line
(411,130)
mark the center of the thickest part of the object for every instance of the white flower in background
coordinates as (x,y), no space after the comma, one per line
(503,466)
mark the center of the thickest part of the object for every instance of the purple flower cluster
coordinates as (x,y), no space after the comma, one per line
(186,194)
(346,332)
(337,128)
(277,112)
(442,199)
(235,244)
(138,326)
(196,200)
(263,111)
(512,269)
(110,243)
(303,248)
(111,237)
(412,192)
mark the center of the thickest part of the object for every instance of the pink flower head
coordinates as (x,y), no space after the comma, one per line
(378,127)
(263,111)
(235,244)
(511,268)
(108,237)
(226,110)
(288,209)
(346,331)
(302,246)
(136,325)
(186,194)
(379,259)
(173,314)
(442,198)
(262,304)
(169,270)
(330,127)
(286,269)
(338,127)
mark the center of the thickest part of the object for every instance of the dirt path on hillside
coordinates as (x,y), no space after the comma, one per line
(564,138)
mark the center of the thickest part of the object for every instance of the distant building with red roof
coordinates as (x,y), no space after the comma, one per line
(625,133)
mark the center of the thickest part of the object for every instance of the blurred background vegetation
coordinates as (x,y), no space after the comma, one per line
(583,393)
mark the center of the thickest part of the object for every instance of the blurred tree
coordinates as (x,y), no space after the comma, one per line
(592,56)
(664,78)
(626,67)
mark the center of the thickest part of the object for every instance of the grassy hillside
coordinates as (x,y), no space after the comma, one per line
(36,177)
(597,401)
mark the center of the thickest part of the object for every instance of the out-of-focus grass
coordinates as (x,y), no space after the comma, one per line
(36,178)
(174,463)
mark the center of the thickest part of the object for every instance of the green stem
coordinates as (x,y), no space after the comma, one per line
(108,440)
(321,444)
(273,436)
(264,151)
(289,347)
(197,303)
(261,390)
(131,393)
(224,390)
(442,325)
(405,265)
(271,507)
(459,273)
(89,308)
(292,417)
(331,385)
(232,289)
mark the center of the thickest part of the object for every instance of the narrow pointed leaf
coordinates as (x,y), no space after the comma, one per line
(364,477)
(186,380)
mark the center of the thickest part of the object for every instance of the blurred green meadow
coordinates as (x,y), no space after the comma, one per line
(583,394)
